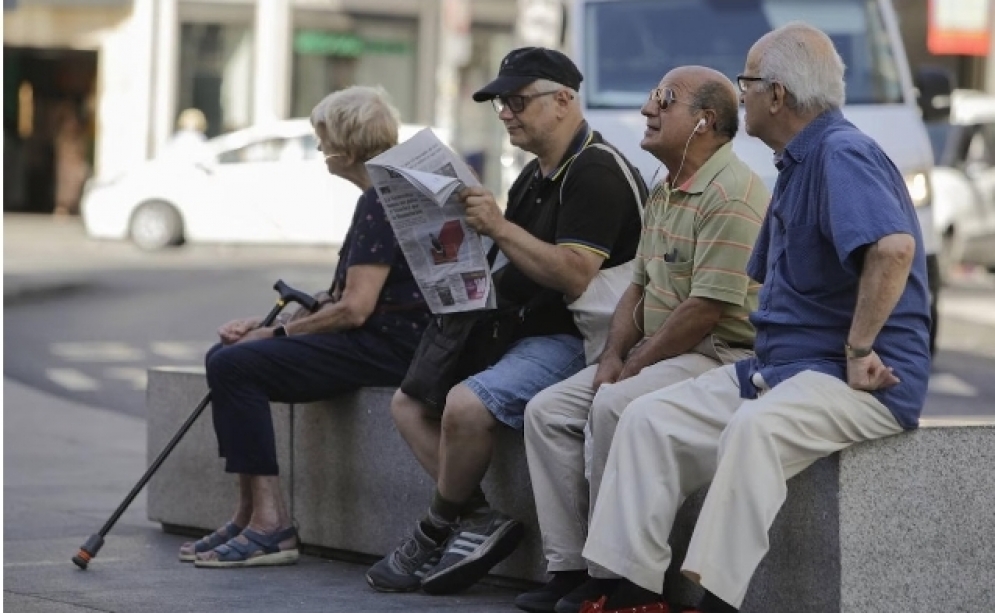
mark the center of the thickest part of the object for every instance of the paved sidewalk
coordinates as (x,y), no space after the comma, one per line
(67,467)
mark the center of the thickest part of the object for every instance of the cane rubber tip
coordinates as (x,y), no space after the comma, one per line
(81,559)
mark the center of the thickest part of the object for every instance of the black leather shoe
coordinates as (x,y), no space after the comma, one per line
(591,590)
(543,599)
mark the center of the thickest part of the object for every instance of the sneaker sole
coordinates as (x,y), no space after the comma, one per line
(475,566)
(389,589)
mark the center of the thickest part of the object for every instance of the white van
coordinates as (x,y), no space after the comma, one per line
(624,47)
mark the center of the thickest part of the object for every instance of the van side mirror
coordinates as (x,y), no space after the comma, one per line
(934,85)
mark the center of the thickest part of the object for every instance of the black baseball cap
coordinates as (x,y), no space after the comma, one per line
(528,64)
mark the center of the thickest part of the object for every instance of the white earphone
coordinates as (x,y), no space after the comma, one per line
(701,124)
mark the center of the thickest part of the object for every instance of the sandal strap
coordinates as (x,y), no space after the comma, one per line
(234,551)
(217,538)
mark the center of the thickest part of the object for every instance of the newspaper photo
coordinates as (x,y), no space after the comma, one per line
(418,182)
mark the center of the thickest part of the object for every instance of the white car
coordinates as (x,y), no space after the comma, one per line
(964,182)
(263,184)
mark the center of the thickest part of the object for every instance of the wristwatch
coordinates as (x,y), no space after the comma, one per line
(853,353)
(280,331)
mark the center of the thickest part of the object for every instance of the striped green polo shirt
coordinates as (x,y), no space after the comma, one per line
(696,241)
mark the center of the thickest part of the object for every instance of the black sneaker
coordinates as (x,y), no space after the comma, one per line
(589,591)
(543,599)
(403,569)
(479,542)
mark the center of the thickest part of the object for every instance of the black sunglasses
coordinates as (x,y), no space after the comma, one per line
(744,81)
(516,103)
(664,97)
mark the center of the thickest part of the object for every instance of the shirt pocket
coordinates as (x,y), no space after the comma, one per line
(679,278)
(805,257)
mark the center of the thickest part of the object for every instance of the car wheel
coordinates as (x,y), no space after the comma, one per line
(156,225)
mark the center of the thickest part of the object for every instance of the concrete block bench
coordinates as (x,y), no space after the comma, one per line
(901,525)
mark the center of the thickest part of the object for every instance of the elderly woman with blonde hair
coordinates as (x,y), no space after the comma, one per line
(364,334)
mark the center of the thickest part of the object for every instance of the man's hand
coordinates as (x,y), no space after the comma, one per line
(234,330)
(609,368)
(637,360)
(482,211)
(869,373)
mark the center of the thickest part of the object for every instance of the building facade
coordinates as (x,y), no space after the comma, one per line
(128,68)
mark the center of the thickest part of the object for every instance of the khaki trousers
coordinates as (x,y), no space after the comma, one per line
(674,441)
(555,421)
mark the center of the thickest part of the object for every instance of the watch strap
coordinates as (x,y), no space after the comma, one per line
(854,353)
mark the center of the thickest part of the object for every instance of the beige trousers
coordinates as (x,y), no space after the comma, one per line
(674,441)
(555,421)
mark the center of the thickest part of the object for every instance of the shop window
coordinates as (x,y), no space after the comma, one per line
(372,52)
(216,74)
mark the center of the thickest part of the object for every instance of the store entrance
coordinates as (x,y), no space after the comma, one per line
(48,128)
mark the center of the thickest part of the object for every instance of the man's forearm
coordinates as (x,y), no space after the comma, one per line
(690,322)
(548,265)
(886,271)
(626,324)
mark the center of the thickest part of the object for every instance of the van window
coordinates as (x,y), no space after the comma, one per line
(630,44)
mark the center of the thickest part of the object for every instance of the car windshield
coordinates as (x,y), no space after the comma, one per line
(632,43)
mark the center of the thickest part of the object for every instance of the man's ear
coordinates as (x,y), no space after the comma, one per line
(778,97)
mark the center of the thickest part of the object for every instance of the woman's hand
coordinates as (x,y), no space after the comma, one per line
(234,330)
(256,334)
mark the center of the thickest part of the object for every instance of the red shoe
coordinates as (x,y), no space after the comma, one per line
(599,607)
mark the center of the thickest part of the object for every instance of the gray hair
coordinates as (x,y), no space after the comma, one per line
(721,98)
(545,85)
(803,60)
(359,121)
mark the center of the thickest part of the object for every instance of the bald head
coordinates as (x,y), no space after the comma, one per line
(803,60)
(710,89)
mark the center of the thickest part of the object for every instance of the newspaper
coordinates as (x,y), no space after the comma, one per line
(418,182)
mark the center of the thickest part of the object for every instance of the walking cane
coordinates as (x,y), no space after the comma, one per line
(93,544)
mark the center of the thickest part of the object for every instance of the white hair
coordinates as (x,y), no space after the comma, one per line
(803,60)
(358,120)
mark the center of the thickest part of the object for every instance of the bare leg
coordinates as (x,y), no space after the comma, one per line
(243,512)
(466,446)
(269,512)
(421,429)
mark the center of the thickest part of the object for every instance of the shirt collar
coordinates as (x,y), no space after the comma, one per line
(700,180)
(580,140)
(805,141)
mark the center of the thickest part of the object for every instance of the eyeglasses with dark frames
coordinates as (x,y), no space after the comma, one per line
(744,81)
(516,103)
(664,97)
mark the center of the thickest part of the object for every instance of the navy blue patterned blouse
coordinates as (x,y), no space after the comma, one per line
(401,312)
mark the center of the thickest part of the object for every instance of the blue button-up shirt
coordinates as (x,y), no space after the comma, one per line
(836,194)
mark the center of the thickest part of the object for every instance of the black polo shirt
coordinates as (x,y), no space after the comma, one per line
(598,212)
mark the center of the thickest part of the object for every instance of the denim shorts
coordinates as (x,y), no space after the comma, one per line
(530,366)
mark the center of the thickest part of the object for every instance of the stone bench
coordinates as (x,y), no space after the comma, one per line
(901,525)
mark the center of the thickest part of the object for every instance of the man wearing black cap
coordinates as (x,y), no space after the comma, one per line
(572,211)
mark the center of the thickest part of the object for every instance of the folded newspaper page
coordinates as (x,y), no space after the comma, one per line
(418,182)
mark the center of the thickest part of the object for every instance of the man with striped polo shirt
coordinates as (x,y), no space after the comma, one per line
(686,312)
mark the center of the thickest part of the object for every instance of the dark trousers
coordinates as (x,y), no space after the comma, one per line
(245,377)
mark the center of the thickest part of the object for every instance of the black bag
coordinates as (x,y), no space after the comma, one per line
(458,345)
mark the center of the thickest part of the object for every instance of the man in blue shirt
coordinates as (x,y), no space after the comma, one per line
(842,346)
